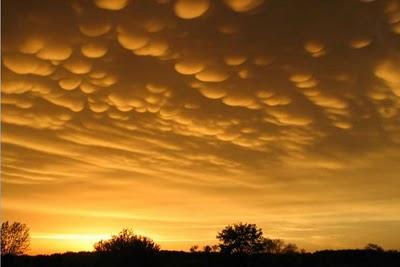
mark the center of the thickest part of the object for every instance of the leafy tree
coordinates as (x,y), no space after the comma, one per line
(15,238)
(374,247)
(241,238)
(248,239)
(127,242)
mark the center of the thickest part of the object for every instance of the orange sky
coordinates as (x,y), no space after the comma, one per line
(178,117)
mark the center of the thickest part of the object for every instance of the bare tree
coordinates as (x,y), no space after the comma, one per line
(15,238)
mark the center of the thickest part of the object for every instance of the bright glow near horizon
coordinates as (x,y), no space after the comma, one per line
(176,118)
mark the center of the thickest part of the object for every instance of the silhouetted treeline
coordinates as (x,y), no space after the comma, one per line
(328,258)
(240,245)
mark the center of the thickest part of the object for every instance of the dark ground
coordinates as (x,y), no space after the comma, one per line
(338,258)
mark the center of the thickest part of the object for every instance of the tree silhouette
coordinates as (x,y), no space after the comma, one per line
(215,248)
(273,246)
(207,249)
(127,242)
(194,249)
(278,246)
(374,247)
(241,239)
(290,248)
(15,238)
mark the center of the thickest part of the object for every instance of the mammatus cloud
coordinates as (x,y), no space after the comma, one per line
(191,9)
(122,112)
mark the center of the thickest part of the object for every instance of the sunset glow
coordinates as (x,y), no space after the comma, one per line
(178,117)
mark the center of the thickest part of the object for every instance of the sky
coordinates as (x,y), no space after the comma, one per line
(177,118)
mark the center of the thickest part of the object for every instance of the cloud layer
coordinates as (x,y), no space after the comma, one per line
(146,111)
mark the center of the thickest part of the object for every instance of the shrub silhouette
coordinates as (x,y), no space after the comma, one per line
(241,239)
(15,238)
(127,242)
(278,246)
(211,248)
(290,248)
(375,247)
(206,249)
